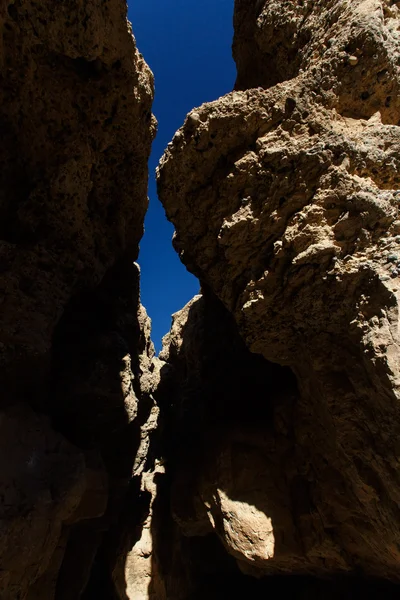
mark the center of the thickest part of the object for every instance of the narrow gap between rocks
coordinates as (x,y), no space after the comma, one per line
(187,45)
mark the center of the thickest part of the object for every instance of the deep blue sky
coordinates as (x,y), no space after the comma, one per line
(187,44)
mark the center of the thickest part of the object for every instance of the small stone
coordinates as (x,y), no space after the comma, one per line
(193,118)
(177,137)
(392,258)
(394,274)
(353,60)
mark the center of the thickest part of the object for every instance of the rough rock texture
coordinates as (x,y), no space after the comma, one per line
(221,418)
(285,202)
(42,483)
(223,505)
(76,129)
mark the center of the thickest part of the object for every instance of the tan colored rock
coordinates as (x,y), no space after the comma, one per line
(276,42)
(135,570)
(235,473)
(107,369)
(285,203)
(75,136)
(76,129)
(219,448)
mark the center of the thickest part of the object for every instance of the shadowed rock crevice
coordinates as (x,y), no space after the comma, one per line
(259,454)
(233,502)
(76,131)
(96,371)
(215,399)
(282,211)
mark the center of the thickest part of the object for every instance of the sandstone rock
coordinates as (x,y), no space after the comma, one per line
(285,203)
(224,401)
(275,43)
(42,483)
(76,130)
(231,475)
(106,368)
(135,574)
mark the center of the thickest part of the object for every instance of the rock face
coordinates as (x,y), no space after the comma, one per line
(230,497)
(218,434)
(76,130)
(42,483)
(285,202)
(264,440)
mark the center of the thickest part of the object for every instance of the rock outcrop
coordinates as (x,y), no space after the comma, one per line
(259,454)
(222,501)
(76,130)
(285,202)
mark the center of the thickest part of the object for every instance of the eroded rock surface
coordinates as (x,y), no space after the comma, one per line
(76,130)
(233,497)
(215,398)
(42,483)
(285,202)
(75,355)
(226,401)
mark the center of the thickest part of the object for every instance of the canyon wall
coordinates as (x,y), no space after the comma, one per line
(76,130)
(284,196)
(222,501)
(259,453)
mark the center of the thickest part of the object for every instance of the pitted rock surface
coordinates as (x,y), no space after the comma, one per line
(285,202)
(75,136)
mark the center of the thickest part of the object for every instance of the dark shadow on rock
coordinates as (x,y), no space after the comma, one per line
(219,402)
(296,588)
(212,385)
(116,543)
(96,351)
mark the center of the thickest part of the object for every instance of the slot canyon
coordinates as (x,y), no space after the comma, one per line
(258,454)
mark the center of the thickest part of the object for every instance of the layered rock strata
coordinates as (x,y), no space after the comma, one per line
(285,201)
(76,129)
